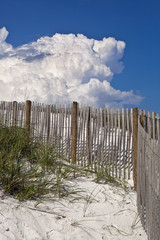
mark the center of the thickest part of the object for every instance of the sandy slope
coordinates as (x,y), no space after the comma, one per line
(101,211)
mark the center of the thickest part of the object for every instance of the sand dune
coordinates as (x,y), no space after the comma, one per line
(97,211)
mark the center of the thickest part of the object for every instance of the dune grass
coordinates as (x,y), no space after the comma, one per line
(31,169)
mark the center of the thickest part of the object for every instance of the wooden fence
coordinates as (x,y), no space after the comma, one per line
(148,173)
(85,135)
(127,142)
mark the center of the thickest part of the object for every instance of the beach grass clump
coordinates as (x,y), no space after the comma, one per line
(32,169)
(103,175)
(20,174)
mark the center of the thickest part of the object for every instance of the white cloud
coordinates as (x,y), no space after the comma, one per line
(4,47)
(63,68)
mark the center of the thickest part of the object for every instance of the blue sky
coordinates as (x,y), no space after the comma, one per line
(137,23)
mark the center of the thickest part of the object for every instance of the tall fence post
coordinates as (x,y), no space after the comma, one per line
(135,145)
(74,132)
(28,117)
(14,120)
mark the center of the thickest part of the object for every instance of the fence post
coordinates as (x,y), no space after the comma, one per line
(89,136)
(28,117)
(135,145)
(74,132)
(14,121)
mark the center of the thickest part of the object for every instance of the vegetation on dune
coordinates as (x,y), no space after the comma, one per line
(31,169)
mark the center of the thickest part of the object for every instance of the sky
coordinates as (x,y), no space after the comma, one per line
(96,52)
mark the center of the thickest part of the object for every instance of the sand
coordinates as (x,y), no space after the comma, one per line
(97,211)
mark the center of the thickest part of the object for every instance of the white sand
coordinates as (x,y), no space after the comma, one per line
(103,212)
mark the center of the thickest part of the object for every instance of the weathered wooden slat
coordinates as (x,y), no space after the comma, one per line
(124,143)
(89,135)
(80,140)
(157,127)
(119,143)
(127,144)
(94,152)
(65,129)
(69,129)
(105,156)
(74,132)
(135,145)
(15,114)
(98,137)
(148,123)
(109,134)
(111,143)
(48,123)
(115,160)
(153,124)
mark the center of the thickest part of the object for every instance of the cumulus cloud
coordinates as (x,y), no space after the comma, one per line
(4,47)
(61,69)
